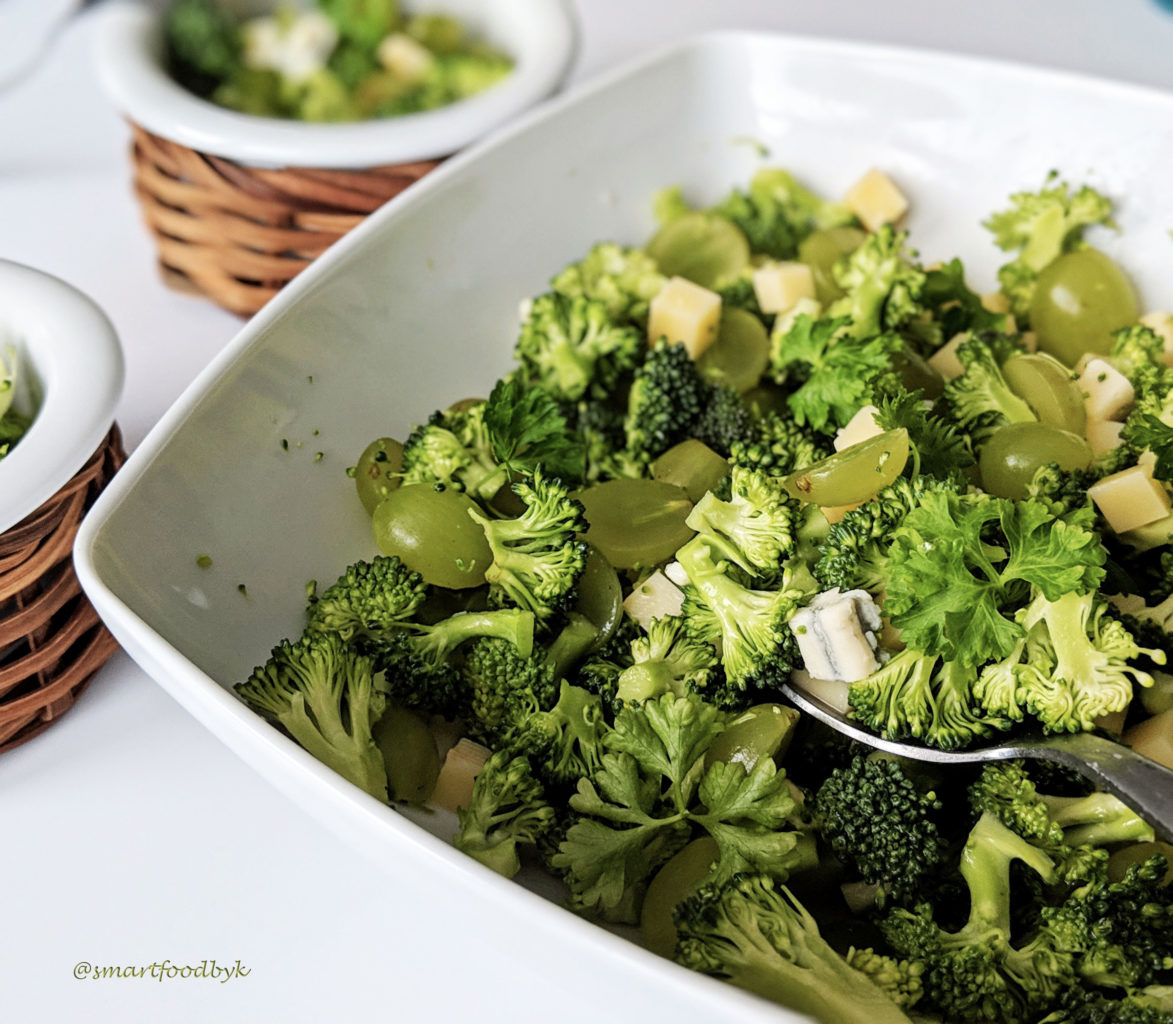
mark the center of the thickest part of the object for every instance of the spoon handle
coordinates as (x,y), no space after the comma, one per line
(1144,785)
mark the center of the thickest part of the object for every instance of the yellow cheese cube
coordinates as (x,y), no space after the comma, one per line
(685,312)
(461,767)
(945,360)
(654,598)
(1130,499)
(1162,323)
(779,286)
(860,427)
(404,57)
(1147,460)
(1030,341)
(1104,435)
(876,200)
(995,302)
(1106,391)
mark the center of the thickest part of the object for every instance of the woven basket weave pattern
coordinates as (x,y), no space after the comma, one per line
(238,234)
(51,640)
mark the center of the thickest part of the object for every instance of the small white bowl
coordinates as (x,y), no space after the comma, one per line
(70,352)
(540,36)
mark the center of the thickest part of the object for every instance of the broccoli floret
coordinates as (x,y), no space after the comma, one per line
(667,395)
(954,305)
(777,213)
(915,696)
(779,446)
(855,552)
(203,45)
(323,693)
(1071,668)
(571,348)
(565,743)
(504,686)
(1073,829)
(976,973)
(749,627)
(980,400)
(537,557)
(368,600)
(883,283)
(1121,933)
(508,809)
(879,822)
(482,447)
(1041,225)
(624,280)
(900,980)
(725,420)
(1081,1005)
(754,529)
(666,659)
(760,938)
(1063,492)
(937,447)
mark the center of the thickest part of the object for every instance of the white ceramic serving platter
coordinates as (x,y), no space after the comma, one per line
(540,35)
(418,308)
(69,371)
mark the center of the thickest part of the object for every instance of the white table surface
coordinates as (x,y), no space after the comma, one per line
(128,834)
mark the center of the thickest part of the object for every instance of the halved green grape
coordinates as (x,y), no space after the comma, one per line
(765,399)
(701,247)
(764,730)
(410,754)
(431,532)
(674,882)
(600,595)
(1048,388)
(1079,300)
(693,466)
(1009,460)
(821,250)
(376,474)
(917,375)
(854,474)
(636,522)
(741,352)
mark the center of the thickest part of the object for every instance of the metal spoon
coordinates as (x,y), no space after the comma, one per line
(1144,785)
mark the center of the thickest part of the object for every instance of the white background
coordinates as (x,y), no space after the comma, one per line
(129,835)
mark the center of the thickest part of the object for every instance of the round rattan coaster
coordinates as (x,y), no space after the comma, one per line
(238,234)
(51,640)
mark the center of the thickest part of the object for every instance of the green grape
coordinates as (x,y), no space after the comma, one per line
(377,473)
(600,596)
(701,247)
(409,752)
(674,882)
(693,466)
(431,532)
(1079,300)
(636,522)
(917,375)
(821,250)
(1009,459)
(765,399)
(1048,388)
(764,730)
(740,354)
(854,474)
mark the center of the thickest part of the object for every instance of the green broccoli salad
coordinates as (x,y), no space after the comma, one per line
(342,60)
(771,445)
(13,422)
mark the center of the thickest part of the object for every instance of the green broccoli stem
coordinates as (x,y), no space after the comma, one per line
(985,866)
(321,733)
(513,624)
(1097,820)
(569,646)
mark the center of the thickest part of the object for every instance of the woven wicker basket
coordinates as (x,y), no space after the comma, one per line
(238,234)
(51,640)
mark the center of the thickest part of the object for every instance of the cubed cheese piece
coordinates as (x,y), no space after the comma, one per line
(876,200)
(779,286)
(404,57)
(1162,323)
(860,427)
(834,513)
(1104,435)
(458,773)
(1154,535)
(654,598)
(995,302)
(836,635)
(675,572)
(1130,499)
(829,691)
(1030,341)
(296,49)
(1106,390)
(685,312)
(945,360)
(1147,460)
